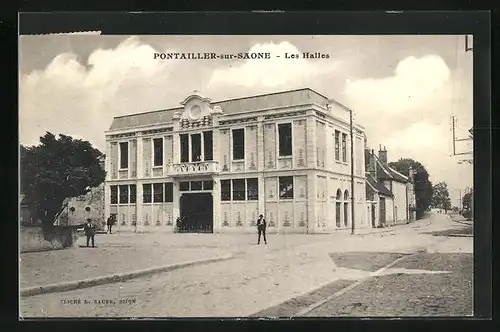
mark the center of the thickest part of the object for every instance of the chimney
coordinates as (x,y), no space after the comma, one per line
(382,154)
(370,164)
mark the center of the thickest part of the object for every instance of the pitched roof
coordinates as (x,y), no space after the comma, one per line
(389,173)
(378,186)
(231,106)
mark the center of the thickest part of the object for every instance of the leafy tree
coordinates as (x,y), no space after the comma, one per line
(441,196)
(57,169)
(422,185)
(466,201)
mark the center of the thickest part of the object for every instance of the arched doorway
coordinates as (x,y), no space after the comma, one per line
(346,207)
(338,198)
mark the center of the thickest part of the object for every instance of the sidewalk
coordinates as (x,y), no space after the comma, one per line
(113,254)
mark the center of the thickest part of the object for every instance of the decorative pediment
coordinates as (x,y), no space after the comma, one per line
(197,111)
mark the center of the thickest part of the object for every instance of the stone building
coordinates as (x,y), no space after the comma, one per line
(390,194)
(218,165)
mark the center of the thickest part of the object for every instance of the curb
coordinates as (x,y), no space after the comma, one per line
(92,282)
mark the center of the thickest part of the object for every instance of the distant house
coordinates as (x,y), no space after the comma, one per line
(79,209)
(390,195)
(25,215)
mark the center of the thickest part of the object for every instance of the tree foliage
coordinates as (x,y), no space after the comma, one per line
(422,185)
(57,169)
(441,196)
(466,201)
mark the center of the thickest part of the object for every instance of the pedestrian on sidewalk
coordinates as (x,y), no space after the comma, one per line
(110,223)
(261,227)
(90,232)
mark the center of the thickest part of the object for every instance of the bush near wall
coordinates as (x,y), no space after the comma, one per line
(32,238)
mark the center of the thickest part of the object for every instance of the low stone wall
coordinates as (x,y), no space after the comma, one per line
(33,239)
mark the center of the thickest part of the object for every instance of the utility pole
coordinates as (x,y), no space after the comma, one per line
(352,172)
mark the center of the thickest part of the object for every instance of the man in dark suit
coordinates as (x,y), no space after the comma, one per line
(110,223)
(261,227)
(89,232)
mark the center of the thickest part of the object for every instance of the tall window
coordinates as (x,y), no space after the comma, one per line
(344,147)
(337,145)
(133,193)
(114,194)
(286,187)
(225,190)
(195,147)
(146,193)
(239,190)
(208,145)
(169,192)
(158,151)
(285,139)
(123,155)
(238,144)
(253,189)
(123,194)
(184,148)
(158,192)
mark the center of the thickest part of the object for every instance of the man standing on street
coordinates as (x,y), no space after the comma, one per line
(110,223)
(89,232)
(261,227)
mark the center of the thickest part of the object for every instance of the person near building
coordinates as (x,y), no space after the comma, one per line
(90,232)
(261,227)
(110,223)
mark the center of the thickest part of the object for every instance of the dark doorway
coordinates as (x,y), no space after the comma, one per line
(382,211)
(373,215)
(196,211)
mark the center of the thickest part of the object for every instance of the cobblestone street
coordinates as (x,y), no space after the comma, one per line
(258,277)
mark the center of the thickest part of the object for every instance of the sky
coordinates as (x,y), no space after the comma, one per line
(403,89)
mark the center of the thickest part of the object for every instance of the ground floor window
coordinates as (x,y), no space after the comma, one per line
(253,189)
(225,190)
(114,194)
(239,189)
(346,213)
(337,214)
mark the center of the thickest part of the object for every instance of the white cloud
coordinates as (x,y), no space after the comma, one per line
(414,81)
(409,113)
(273,72)
(67,97)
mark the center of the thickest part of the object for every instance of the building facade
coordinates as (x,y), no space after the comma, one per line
(390,194)
(218,165)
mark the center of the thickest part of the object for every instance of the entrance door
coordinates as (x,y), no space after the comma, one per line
(373,216)
(196,211)
(382,211)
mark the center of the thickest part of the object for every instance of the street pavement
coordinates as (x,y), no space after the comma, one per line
(259,280)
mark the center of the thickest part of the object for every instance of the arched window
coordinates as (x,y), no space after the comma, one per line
(338,195)
(346,209)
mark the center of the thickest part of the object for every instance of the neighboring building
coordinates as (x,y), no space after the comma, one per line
(79,209)
(390,195)
(220,164)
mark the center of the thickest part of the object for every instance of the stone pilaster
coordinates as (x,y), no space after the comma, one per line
(311,144)
(176,201)
(312,183)
(262,194)
(139,227)
(176,148)
(216,205)
(140,175)
(260,152)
